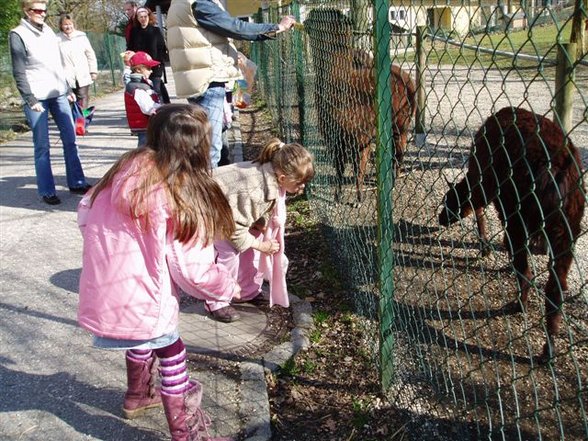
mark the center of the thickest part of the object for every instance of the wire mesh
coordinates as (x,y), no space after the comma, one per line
(444,311)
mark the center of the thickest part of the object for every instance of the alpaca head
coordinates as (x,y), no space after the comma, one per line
(456,203)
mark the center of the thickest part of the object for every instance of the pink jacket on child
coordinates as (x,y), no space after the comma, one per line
(274,267)
(132,271)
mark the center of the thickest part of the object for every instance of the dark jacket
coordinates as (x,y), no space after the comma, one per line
(150,40)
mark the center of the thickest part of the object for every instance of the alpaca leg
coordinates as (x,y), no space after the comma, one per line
(360,172)
(400,142)
(514,241)
(339,162)
(481,223)
(554,291)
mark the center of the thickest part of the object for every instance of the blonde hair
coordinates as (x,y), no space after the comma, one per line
(27,4)
(293,160)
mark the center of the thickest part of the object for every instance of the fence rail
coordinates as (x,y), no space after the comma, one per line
(439,303)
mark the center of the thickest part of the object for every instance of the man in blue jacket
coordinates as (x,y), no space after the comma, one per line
(203,57)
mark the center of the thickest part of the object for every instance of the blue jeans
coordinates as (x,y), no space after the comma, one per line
(213,101)
(141,139)
(39,122)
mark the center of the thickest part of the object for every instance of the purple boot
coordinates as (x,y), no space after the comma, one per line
(141,392)
(187,421)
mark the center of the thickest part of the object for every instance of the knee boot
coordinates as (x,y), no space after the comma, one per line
(141,392)
(186,420)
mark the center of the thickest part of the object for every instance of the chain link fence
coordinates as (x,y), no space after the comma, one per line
(396,102)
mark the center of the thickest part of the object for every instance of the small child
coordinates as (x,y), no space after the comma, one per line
(148,228)
(256,192)
(141,100)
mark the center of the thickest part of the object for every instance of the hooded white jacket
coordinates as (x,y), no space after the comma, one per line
(79,58)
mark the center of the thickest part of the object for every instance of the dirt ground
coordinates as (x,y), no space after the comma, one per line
(464,369)
(329,392)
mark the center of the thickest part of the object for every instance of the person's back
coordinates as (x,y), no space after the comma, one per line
(203,57)
(148,233)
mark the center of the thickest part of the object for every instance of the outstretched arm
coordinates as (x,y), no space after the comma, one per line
(193,268)
(213,18)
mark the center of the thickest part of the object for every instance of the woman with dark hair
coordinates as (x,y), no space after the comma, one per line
(147,37)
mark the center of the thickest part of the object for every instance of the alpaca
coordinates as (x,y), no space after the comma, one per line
(524,164)
(345,96)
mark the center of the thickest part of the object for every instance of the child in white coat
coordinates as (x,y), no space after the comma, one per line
(256,191)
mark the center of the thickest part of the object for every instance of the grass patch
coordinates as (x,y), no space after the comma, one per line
(537,41)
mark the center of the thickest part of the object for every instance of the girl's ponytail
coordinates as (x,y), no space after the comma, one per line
(291,159)
(269,150)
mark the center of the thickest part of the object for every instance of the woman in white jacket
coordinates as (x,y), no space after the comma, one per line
(79,59)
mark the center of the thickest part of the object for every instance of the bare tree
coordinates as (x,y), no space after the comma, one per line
(90,15)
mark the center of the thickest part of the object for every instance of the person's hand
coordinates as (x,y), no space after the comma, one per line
(270,246)
(286,23)
(71,97)
(126,56)
(93,75)
(257,228)
(37,107)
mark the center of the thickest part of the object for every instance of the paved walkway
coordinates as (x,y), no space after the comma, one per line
(53,384)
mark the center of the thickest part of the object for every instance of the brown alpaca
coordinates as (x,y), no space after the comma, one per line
(345,96)
(523,163)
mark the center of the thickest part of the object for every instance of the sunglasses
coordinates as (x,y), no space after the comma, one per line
(38,11)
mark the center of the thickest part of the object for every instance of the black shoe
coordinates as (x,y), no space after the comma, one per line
(80,190)
(52,200)
(227,314)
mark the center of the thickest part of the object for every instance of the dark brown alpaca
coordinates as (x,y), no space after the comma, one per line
(523,163)
(345,96)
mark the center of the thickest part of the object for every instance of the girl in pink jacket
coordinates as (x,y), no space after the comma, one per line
(148,228)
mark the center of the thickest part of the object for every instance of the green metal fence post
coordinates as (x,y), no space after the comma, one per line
(385,173)
(419,124)
(110,63)
(298,54)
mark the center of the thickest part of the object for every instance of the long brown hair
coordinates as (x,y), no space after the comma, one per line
(292,160)
(177,154)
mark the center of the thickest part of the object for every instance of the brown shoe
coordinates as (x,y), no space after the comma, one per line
(258,300)
(227,314)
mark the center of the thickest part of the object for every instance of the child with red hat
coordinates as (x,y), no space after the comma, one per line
(141,100)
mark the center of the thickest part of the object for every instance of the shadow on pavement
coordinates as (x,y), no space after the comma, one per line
(66,398)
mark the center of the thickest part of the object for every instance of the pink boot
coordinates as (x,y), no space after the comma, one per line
(141,393)
(187,421)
